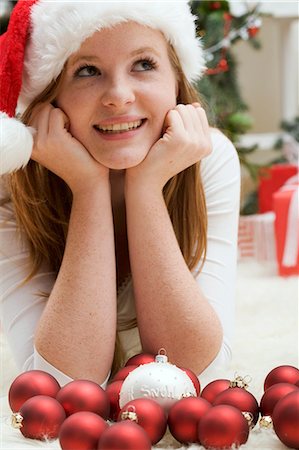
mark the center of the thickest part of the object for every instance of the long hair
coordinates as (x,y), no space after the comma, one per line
(42,201)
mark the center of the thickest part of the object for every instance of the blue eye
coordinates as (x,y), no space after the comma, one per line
(144,65)
(87,71)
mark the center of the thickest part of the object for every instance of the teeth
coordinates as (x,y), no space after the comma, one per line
(116,127)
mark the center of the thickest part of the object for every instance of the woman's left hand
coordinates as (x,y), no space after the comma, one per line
(186,140)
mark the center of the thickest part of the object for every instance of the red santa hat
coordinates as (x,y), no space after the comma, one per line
(43,34)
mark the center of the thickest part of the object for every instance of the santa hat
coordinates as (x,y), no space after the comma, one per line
(43,34)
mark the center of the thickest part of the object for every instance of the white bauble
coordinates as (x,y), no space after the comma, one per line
(160,381)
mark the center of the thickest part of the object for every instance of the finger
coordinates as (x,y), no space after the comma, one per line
(204,120)
(173,120)
(58,121)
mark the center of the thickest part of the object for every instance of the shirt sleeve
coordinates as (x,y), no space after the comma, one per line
(22,303)
(220,173)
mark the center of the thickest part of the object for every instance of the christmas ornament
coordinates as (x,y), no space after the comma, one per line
(240,399)
(148,414)
(29,384)
(221,427)
(252,31)
(193,378)
(141,358)
(84,395)
(159,380)
(82,431)
(273,395)
(124,436)
(281,374)
(214,388)
(286,419)
(184,417)
(112,391)
(40,417)
(124,372)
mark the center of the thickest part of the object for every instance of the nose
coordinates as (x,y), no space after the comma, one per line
(118,92)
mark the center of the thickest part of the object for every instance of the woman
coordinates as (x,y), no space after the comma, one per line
(128,206)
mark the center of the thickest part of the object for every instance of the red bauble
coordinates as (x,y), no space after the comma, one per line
(252,31)
(241,399)
(40,417)
(223,426)
(112,391)
(84,395)
(184,417)
(286,419)
(281,374)
(214,388)
(82,431)
(141,358)
(148,414)
(193,378)
(29,384)
(124,372)
(273,395)
(124,436)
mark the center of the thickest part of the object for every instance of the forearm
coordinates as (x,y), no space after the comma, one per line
(76,332)
(172,311)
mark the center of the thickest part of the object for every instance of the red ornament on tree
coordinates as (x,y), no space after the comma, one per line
(286,419)
(148,414)
(82,431)
(124,372)
(193,378)
(223,426)
(273,395)
(214,388)
(184,417)
(252,31)
(84,395)
(241,399)
(124,436)
(282,374)
(112,391)
(29,384)
(141,358)
(40,417)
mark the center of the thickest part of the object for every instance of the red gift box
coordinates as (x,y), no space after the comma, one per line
(286,209)
(271,179)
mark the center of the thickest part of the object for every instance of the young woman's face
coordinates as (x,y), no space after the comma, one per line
(117,91)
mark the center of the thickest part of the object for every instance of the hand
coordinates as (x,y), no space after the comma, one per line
(186,140)
(57,150)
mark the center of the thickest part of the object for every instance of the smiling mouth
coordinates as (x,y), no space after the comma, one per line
(119,127)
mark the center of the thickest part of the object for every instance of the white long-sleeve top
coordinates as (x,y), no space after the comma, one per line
(22,304)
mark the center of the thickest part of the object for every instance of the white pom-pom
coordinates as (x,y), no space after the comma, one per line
(16,142)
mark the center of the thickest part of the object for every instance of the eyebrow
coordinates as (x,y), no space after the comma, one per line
(92,58)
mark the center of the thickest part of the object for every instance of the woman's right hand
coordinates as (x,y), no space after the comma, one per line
(57,150)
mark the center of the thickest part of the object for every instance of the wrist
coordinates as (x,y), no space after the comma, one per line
(92,189)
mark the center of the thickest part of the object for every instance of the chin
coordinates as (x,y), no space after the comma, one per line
(122,163)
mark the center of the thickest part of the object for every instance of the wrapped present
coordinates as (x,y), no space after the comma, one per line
(256,238)
(286,209)
(271,179)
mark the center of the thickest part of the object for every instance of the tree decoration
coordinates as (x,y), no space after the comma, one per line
(82,431)
(193,378)
(148,414)
(159,380)
(281,374)
(112,391)
(273,394)
(40,417)
(124,372)
(184,418)
(84,395)
(241,399)
(141,358)
(125,435)
(222,427)
(286,419)
(31,383)
(214,388)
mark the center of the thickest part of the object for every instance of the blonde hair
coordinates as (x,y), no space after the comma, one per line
(43,201)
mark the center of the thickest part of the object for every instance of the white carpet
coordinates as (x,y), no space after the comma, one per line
(266,337)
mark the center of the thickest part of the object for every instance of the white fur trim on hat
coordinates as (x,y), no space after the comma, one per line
(59,28)
(16,144)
